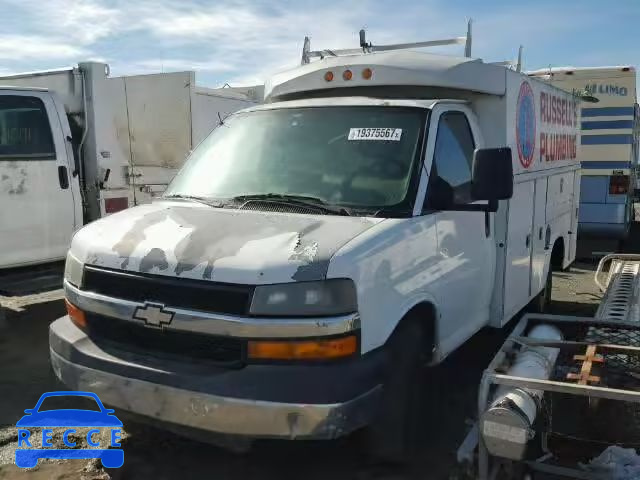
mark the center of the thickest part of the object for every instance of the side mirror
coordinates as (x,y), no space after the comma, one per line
(492,174)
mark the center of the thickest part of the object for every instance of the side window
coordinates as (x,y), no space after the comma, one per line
(451,169)
(25,132)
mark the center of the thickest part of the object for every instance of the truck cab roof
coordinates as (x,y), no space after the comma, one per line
(588,73)
(394,68)
(570,69)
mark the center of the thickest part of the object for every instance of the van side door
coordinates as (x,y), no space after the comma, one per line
(465,240)
(38,192)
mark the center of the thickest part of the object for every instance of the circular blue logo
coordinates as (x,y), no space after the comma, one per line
(526,125)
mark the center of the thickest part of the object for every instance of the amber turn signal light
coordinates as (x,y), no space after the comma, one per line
(75,314)
(302,350)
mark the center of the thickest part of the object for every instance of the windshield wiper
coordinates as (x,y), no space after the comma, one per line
(392,213)
(194,198)
(299,200)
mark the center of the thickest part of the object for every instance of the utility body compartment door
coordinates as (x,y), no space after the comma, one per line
(540,249)
(573,233)
(39,195)
(517,284)
(562,202)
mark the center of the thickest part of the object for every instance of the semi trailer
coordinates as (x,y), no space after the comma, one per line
(77,144)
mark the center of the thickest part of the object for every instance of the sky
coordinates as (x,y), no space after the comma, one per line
(243,42)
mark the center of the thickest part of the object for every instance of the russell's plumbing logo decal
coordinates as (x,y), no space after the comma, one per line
(68,433)
(526,124)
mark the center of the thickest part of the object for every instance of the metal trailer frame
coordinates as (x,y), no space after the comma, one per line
(619,308)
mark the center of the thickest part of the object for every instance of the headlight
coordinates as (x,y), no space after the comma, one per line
(324,298)
(73,270)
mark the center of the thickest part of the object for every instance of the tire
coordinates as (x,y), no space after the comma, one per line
(394,436)
(542,302)
(514,470)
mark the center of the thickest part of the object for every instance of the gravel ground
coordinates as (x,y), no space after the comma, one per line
(25,374)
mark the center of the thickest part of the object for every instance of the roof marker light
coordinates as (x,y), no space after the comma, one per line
(347,74)
(367,73)
(328,76)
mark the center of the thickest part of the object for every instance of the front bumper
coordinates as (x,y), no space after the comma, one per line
(268,401)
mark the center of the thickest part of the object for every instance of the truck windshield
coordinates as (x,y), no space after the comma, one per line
(356,157)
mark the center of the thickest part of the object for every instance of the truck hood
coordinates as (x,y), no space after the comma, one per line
(234,246)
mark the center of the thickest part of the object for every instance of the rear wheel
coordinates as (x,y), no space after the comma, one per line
(542,302)
(395,434)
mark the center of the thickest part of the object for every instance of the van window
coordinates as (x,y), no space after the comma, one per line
(452,157)
(24,129)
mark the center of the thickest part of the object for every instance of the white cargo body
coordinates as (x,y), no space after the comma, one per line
(380,208)
(105,143)
(544,206)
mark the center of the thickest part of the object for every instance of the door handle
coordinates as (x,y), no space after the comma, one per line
(63,177)
(547,238)
(528,241)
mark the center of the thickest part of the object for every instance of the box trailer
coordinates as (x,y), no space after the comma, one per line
(77,143)
(311,256)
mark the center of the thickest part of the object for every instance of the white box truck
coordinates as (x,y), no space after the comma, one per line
(314,254)
(76,144)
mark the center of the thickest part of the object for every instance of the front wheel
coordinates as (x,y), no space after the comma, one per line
(394,435)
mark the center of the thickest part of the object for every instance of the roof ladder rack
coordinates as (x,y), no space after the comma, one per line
(368,47)
(516,65)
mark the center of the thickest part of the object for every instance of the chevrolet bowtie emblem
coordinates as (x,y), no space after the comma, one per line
(154,315)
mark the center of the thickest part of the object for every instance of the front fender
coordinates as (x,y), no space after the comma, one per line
(415,302)
(393,265)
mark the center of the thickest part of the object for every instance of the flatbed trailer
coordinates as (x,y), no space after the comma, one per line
(592,384)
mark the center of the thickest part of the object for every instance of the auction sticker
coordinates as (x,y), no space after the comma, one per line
(391,134)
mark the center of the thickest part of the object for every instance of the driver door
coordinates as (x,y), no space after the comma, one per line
(464,239)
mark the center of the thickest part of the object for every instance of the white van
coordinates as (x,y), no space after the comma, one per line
(77,144)
(318,250)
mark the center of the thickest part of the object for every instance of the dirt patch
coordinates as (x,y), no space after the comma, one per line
(575,292)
